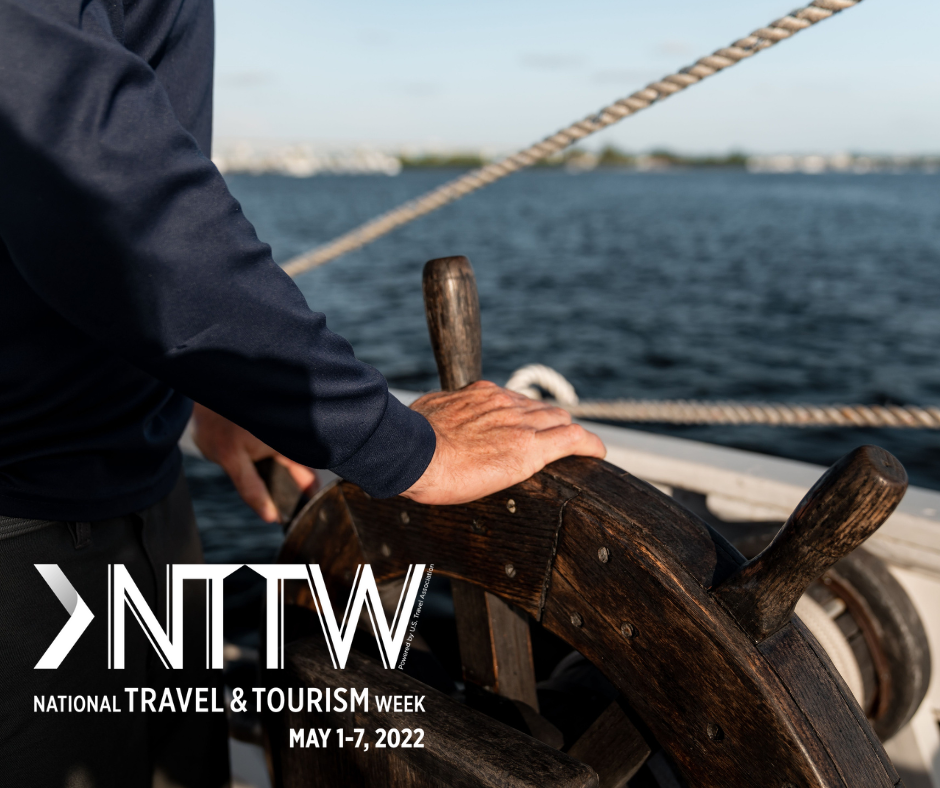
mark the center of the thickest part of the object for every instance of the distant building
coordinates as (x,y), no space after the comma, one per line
(301,160)
(813,164)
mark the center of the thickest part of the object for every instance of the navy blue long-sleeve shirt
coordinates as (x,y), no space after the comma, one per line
(131,283)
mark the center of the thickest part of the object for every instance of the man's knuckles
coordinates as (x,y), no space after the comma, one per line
(480,385)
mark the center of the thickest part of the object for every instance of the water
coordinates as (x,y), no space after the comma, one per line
(706,285)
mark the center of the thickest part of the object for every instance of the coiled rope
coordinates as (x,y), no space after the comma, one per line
(760,39)
(531,380)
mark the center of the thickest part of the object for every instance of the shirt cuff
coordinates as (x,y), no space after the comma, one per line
(395,456)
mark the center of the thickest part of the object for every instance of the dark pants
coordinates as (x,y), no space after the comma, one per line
(100,750)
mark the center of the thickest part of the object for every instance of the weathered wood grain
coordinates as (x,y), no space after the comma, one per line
(710,696)
(452,308)
(848,504)
(613,747)
(323,533)
(506,552)
(679,661)
(813,683)
(494,637)
(705,554)
(462,748)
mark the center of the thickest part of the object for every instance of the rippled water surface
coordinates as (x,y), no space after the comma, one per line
(708,285)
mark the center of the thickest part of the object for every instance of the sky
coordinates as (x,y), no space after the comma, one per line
(501,74)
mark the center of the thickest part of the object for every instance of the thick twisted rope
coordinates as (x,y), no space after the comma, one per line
(746,47)
(771,413)
(533,379)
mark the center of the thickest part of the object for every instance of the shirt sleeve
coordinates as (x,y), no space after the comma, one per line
(116,219)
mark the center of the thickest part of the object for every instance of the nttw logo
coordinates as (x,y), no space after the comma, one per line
(123,595)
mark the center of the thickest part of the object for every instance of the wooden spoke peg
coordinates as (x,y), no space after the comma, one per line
(495,646)
(848,504)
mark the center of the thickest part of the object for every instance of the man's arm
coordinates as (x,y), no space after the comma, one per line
(488,438)
(115,218)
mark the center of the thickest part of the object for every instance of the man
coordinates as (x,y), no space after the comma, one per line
(130,286)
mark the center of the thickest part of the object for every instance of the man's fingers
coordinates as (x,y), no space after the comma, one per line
(567,440)
(251,487)
(489,438)
(545,419)
(303,477)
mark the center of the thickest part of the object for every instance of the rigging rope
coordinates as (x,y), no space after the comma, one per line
(531,380)
(770,413)
(760,39)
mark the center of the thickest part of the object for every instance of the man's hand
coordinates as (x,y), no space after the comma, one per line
(489,438)
(237,451)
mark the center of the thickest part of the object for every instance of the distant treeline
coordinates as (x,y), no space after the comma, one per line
(467,161)
(579,159)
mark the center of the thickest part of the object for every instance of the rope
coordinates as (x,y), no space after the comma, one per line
(771,413)
(529,379)
(746,47)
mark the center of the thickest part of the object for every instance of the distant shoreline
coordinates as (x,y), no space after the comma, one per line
(582,160)
(304,160)
(611,158)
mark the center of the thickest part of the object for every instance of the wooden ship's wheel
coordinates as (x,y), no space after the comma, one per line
(702,646)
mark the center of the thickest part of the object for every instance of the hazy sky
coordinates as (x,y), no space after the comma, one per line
(506,73)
